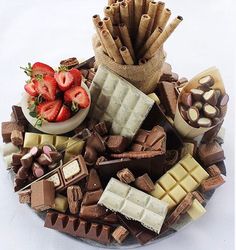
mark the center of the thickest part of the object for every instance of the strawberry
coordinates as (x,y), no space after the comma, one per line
(30,88)
(47,86)
(78,96)
(64,80)
(77,76)
(64,114)
(38,68)
(49,110)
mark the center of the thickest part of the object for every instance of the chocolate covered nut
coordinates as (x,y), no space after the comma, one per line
(44,160)
(186,99)
(144,183)
(74,195)
(55,156)
(117,143)
(90,156)
(204,122)
(209,111)
(43,195)
(26,160)
(212,183)
(207,80)
(120,234)
(197,94)
(211,153)
(70,62)
(37,170)
(25,196)
(193,114)
(101,128)
(7,128)
(35,151)
(17,137)
(213,170)
(22,173)
(210,97)
(198,105)
(125,175)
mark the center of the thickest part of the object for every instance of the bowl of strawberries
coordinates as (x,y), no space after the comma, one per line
(54,101)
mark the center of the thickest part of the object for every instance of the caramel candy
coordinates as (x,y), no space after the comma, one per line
(125,175)
(197,94)
(120,234)
(17,137)
(25,196)
(206,80)
(117,143)
(74,195)
(144,183)
(193,114)
(212,183)
(213,170)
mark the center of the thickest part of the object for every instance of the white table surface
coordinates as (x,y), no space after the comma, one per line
(52,30)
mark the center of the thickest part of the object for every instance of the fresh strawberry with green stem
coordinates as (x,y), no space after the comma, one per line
(46,87)
(64,79)
(64,114)
(78,96)
(38,68)
(49,110)
(77,76)
(30,88)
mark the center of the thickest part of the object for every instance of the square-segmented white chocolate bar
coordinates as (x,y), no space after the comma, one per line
(134,204)
(184,177)
(116,100)
(71,169)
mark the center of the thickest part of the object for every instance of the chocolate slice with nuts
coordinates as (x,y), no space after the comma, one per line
(204,122)
(193,114)
(210,97)
(209,110)
(197,94)
(207,80)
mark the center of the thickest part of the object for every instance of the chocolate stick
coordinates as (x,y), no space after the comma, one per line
(163,37)
(126,39)
(111,46)
(166,13)
(160,8)
(126,56)
(108,23)
(152,9)
(144,23)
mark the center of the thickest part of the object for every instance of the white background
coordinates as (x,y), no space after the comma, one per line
(52,30)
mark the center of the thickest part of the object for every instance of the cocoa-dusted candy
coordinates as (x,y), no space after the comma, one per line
(74,195)
(144,183)
(17,137)
(120,234)
(126,176)
(25,196)
(117,143)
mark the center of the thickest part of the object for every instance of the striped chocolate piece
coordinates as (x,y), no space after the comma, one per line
(134,204)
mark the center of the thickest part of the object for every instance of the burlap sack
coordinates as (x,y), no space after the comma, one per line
(144,77)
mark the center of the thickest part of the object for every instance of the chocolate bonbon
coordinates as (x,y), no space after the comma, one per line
(134,204)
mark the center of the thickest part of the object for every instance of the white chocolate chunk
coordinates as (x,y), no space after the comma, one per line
(55,179)
(196,210)
(71,169)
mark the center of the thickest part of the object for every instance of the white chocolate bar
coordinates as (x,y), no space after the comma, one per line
(117,101)
(184,177)
(134,204)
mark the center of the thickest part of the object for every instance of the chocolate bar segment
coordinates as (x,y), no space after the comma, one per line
(19,116)
(7,128)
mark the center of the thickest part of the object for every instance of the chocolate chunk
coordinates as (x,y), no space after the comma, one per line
(92,212)
(125,175)
(55,156)
(70,62)
(101,128)
(212,183)
(213,170)
(26,160)
(186,99)
(144,183)
(197,94)
(96,141)
(16,159)
(44,160)
(25,196)
(74,195)
(206,80)
(210,153)
(22,173)
(37,170)
(168,97)
(7,128)
(19,116)
(204,122)
(17,138)
(90,156)
(120,234)
(117,143)
(19,183)
(89,63)
(92,197)
(93,182)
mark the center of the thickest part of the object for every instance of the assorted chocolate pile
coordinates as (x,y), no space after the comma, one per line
(130,175)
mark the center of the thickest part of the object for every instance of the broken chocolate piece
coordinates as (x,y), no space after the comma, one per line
(97,142)
(22,173)
(117,143)
(144,183)
(125,175)
(26,160)
(213,170)
(120,234)
(55,156)
(88,64)
(17,137)
(93,182)
(19,116)
(212,183)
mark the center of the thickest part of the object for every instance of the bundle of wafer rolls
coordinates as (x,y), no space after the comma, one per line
(132,31)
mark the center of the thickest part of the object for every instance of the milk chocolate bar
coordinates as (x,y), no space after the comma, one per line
(78,227)
(184,177)
(134,204)
(211,153)
(117,101)
(7,128)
